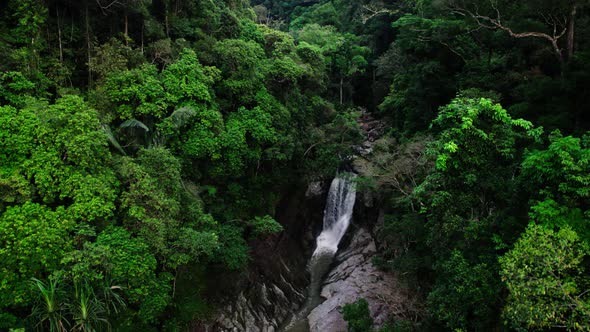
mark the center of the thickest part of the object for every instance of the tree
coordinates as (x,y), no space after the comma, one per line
(559,181)
(372,10)
(464,291)
(153,203)
(558,17)
(243,66)
(112,57)
(137,92)
(56,184)
(464,192)
(68,163)
(60,152)
(547,284)
(30,17)
(115,263)
(420,65)
(343,52)
(15,88)
(463,199)
(34,240)
(187,82)
(350,60)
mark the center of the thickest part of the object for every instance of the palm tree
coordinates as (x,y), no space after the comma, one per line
(49,310)
(88,311)
(111,297)
(139,134)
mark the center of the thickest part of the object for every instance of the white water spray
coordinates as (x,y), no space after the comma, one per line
(337,213)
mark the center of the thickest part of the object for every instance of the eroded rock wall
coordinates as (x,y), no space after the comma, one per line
(275,284)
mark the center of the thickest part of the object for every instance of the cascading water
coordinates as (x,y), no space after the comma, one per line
(337,215)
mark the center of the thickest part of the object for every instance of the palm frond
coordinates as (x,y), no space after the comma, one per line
(88,312)
(112,139)
(49,309)
(134,124)
(180,117)
(112,299)
(158,140)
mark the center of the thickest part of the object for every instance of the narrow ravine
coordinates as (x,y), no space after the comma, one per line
(337,217)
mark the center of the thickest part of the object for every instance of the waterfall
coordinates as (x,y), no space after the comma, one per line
(337,215)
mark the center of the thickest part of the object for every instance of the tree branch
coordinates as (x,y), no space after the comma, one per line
(488,22)
(371,11)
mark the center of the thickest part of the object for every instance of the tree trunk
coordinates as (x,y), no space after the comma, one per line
(558,51)
(570,32)
(88,44)
(341,92)
(61,52)
(166,24)
(142,28)
(71,27)
(126,28)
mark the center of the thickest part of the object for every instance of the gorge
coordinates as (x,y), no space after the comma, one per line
(309,293)
(170,165)
(337,217)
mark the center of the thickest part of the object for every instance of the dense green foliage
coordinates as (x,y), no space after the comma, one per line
(487,199)
(546,280)
(485,101)
(357,316)
(145,144)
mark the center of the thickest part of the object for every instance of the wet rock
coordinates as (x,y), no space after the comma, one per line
(315,188)
(355,277)
(367,197)
(372,128)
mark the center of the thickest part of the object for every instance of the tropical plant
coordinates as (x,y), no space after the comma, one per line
(87,311)
(50,310)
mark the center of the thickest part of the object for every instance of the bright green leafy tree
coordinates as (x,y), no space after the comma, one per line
(560,181)
(547,284)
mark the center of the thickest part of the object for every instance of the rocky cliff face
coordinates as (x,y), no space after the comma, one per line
(354,277)
(274,285)
(265,305)
(262,309)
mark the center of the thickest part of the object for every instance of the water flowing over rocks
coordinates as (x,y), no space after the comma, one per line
(337,216)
